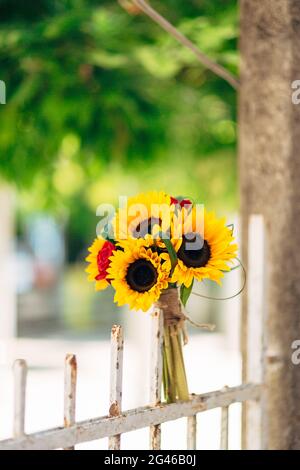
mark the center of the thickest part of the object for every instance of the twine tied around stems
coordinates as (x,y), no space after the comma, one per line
(170,304)
(175,313)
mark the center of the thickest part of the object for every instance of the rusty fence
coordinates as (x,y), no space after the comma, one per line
(118,422)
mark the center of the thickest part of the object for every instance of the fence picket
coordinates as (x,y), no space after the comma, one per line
(256,428)
(157,329)
(116,376)
(224,425)
(70,382)
(224,428)
(20,379)
(192,432)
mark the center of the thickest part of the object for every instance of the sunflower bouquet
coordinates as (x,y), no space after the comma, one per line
(150,251)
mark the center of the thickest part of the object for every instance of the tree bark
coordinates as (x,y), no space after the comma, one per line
(270,184)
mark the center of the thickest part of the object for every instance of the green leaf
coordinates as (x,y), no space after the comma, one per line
(185,293)
(171,251)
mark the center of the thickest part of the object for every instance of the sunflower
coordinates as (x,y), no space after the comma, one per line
(143,214)
(137,273)
(204,250)
(99,261)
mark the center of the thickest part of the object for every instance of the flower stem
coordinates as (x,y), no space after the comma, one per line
(169,383)
(182,387)
(174,376)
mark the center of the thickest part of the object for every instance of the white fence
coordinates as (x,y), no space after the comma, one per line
(118,422)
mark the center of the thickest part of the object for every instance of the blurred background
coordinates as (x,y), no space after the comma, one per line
(100,103)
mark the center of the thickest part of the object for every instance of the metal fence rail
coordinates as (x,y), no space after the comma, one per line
(107,426)
(117,422)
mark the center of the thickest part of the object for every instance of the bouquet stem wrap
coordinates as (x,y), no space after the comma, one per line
(174,375)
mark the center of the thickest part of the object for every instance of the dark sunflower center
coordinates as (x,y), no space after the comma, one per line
(145,227)
(194,251)
(141,275)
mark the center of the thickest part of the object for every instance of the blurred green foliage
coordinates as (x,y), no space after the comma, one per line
(101,102)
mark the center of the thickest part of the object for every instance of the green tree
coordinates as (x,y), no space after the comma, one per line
(115,81)
(101,102)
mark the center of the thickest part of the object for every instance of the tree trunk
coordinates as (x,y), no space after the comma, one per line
(270,185)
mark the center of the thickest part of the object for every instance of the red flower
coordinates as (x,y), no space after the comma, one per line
(103,260)
(185,202)
(174,201)
(182,203)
